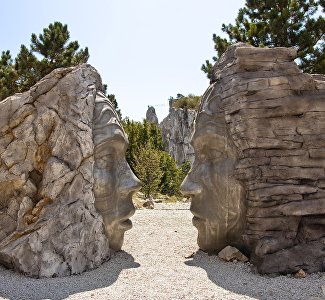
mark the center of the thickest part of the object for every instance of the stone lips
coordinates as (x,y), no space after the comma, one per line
(275,116)
(48,223)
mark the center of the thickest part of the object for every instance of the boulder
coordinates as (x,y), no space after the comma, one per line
(143,203)
(300,274)
(231,253)
(49,225)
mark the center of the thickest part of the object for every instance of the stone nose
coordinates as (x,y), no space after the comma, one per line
(129,183)
(190,188)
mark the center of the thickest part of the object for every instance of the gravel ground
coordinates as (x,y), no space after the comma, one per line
(153,266)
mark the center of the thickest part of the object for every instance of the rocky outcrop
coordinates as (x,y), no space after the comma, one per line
(177,129)
(151,116)
(259,180)
(49,225)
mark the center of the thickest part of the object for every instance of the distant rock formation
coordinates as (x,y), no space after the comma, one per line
(55,142)
(151,116)
(259,180)
(177,129)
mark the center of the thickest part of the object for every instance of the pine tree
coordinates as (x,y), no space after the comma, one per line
(169,184)
(28,69)
(139,134)
(173,176)
(8,75)
(147,168)
(142,134)
(48,51)
(278,23)
(55,49)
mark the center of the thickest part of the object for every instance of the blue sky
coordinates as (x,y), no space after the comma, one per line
(145,50)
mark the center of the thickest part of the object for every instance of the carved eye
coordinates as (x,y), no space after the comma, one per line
(109,160)
(215,154)
(210,154)
(105,162)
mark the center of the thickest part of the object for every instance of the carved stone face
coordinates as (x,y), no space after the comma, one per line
(114,182)
(217,198)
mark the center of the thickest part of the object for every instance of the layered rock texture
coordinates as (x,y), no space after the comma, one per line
(48,222)
(265,120)
(151,115)
(177,129)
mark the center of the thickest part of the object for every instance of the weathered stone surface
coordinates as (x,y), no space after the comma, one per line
(258,178)
(231,253)
(177,129)
(300,274)
(61,156)
(151,115)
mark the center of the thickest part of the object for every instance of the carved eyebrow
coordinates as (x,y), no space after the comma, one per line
(109,134)
(115,143)
(210,140)
(119,142)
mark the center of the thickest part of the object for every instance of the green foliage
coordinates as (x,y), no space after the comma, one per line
(172,175)
(278,23)
(189,102)
(28,69)
(147,168)
(169,184)
(145,138)
(111,97)
(52,45)
(48,51)
(140,134)
(185,168)
(8,75)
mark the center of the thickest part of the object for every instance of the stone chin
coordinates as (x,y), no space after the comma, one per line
(116,235)
(217,204)
(211,238)
(204,219)
(118,222)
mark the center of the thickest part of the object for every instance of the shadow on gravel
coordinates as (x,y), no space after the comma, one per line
(17,286)
(238,278)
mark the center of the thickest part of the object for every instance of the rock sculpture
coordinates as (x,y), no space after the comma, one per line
(151,116)
(62,156)
(114,182)
(177,129)
(258,180)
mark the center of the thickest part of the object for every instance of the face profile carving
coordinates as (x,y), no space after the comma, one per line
(217,197)
(65,184)
(258,179)
(114,182)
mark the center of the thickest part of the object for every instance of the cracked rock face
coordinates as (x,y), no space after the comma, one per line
(258,180)
(52,175)
(151,116)
(177,129)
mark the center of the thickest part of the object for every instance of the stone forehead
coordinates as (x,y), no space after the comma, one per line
(106,125)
